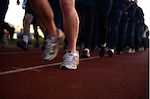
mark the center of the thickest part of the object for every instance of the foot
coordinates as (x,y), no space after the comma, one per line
(71,60)
(110,52)
(86,53)
(51,46)
(22,44)
(3,41)
(131,50)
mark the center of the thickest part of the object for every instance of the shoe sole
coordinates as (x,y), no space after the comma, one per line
(65,68)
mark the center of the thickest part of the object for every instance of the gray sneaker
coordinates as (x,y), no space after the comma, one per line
(3,41)
(51,46)
(71,60)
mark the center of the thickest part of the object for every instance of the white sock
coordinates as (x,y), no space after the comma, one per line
(25,38)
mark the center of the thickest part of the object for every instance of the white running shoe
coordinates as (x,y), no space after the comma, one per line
(71,60)
(51,46)
(86,53)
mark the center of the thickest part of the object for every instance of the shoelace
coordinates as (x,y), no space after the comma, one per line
(69,57)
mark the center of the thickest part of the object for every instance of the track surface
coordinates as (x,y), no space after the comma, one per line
(24,75)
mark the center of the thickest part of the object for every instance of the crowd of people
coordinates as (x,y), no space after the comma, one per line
(117,25)
(108,25)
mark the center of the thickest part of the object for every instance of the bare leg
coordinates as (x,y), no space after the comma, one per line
(71,27)
(26,26)
(26,23)
(45,14)
(70,22)
(26,31)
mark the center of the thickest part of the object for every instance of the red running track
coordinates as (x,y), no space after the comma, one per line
(24,75)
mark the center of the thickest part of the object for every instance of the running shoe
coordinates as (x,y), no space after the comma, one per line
(71,60)
(131,50)
(50,47)
(3,41)
(86,53)
(110,52)
(22,44)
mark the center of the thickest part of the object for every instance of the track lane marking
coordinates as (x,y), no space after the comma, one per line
(38,67)
(9,53)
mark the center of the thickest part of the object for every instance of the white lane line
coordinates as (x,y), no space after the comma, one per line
(28,68)
(18,52)
(38,67)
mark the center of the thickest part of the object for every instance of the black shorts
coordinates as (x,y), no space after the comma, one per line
(28,8)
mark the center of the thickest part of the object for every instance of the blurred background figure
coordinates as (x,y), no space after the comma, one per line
(118,8)
(3,10)
(29,18)
(103,9)
(88,16)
